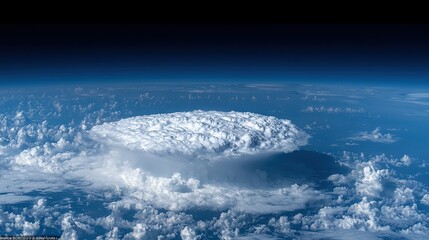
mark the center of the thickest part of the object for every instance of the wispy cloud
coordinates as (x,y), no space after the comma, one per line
(375,136)
(333,109)
(421,98)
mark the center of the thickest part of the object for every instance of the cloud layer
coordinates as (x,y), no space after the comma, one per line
(55,180)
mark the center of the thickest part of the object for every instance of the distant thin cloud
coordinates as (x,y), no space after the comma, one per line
(333,109)
(375,136)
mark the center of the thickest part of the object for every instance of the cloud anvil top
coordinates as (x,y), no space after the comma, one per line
(204,134)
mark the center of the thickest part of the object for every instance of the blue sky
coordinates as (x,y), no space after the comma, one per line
(203,53)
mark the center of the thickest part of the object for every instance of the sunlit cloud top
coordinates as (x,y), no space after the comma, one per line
(203,134)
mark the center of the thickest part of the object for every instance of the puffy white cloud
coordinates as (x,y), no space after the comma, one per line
(42,159)
(375,136)
(322,109)
(203,133)
(281,224)
(113,234)
(188,234)
(178,193)
(385,204)
(403,215)
(139,231)
(425,199)
(417,231)
(370,180)
(68,228)
(30,228)
(406,160)
(25,221)
(313,98)
(230,223)
(403,195)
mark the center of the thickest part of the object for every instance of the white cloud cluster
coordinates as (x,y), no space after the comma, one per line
(313,98)
(203,133)
(166,184)
(425,199)
(333,109)
(370,179)
(28,222)
(371,199)
(375,136)
(405,161)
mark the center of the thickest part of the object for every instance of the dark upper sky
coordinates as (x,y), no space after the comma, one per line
(390,53)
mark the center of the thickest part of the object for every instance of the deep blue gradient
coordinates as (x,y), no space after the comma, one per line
(378,54)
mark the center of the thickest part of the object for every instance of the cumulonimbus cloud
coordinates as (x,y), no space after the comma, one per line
(153,156)
(203,134)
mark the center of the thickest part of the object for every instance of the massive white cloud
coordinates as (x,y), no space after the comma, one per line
(153,158)
(203,134)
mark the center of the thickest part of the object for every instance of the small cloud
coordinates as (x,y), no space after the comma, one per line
(406,160)
(425,199)
(313,98)
(418,95)
(333,109)
(351,144)
(375,136)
